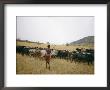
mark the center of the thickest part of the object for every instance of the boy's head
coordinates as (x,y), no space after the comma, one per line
(48,46)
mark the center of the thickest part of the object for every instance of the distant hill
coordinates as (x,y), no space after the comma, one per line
(85,40)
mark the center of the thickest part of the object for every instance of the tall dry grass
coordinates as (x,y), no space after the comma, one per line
(30,65)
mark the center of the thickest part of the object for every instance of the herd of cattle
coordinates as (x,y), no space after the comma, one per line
(78,55)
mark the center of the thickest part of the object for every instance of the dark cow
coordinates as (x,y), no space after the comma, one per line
(23,50)
(83,56)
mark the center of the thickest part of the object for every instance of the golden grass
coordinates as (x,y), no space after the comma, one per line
(30,65)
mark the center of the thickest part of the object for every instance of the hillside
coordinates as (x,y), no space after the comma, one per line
(85,40)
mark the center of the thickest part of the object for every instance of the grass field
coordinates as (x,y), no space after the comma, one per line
(30,65)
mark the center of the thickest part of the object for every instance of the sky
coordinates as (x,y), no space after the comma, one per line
(55,30)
